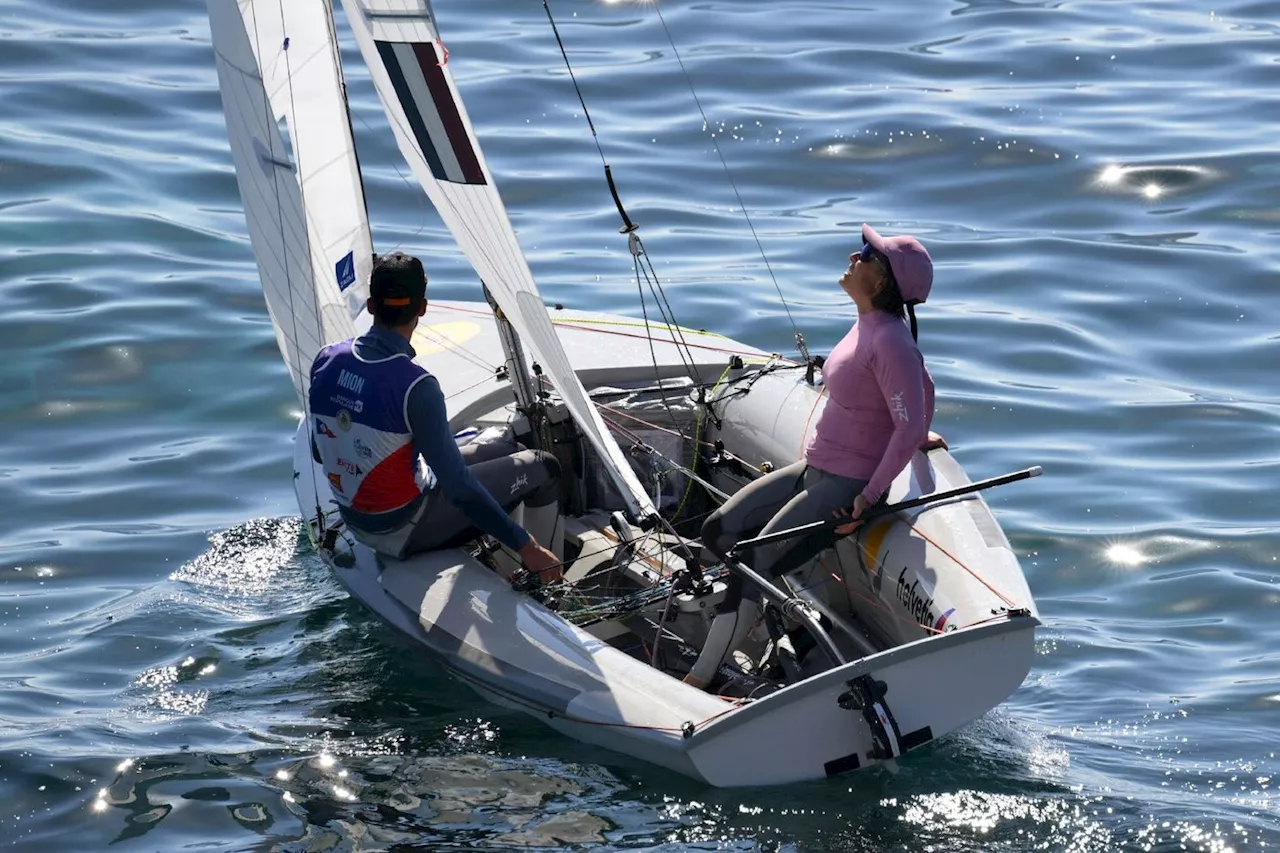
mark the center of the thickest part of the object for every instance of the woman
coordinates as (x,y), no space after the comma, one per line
(879,407)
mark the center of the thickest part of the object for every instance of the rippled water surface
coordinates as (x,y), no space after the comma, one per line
(1097,182)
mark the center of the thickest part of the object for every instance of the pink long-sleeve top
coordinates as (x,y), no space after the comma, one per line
(879,404)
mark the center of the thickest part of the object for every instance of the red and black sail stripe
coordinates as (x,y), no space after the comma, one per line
(434,118)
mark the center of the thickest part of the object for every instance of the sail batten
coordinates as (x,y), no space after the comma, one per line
(403,52)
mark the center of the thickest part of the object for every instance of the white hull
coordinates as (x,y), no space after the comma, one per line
(520,654)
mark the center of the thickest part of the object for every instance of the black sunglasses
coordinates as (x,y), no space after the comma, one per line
(869,253)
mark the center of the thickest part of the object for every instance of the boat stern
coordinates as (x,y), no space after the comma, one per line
(868,711)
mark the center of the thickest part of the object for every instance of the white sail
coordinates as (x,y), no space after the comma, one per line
(408,63)
(284,101)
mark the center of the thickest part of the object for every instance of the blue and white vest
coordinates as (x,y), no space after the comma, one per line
(361,428)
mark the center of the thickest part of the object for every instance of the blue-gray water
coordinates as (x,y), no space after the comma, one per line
(1098,184)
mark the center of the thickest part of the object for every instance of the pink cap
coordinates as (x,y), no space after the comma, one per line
(912,267)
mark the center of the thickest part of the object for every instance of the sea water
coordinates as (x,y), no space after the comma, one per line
(1097,183)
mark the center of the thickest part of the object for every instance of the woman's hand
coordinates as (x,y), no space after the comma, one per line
(933,442)
(859,506)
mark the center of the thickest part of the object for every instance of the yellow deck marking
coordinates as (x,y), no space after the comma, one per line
(631,324)
(440,337)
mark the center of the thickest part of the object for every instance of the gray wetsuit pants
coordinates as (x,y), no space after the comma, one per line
(510,474)
(788,497)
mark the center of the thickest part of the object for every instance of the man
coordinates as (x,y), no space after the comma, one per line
(375,412)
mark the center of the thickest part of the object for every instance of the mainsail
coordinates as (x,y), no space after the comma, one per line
(401,46)
(284,100)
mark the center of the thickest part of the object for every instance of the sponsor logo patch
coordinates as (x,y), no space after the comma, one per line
(356,406)
(921,607)
(521,481)
(335,480)
(345,271)
(322,429)
(350,467)
(344,420)
(899,408)
(364,451)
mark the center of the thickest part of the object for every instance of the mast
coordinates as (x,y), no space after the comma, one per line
(346,102)
(527,400)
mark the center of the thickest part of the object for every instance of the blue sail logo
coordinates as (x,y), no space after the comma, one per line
(345,270)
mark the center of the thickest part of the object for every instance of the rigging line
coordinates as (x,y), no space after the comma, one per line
(961,564)
(804,434)
(605,411)
(676,330)
(574,78)
(478,245)
(657,7)
(640,556)
(679,546)
(582,324)
(603,570)
(467,354)
(674,467)
(408,183)
(275,181)
(447,345)
(336,53)
(653,355)
(662,622)
(637,245)
(668,315)
(484,381)
(877,604)
(647,559)
(624,323)
(637,324)
(572,324)
(613,600)
(697,436)
(446,201)
(611,608)
(688,484)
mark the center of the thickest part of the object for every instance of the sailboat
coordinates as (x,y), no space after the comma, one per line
(908,630)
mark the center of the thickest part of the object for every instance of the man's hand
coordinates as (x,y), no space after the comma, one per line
(541,562)
(933,442)
(859,505)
